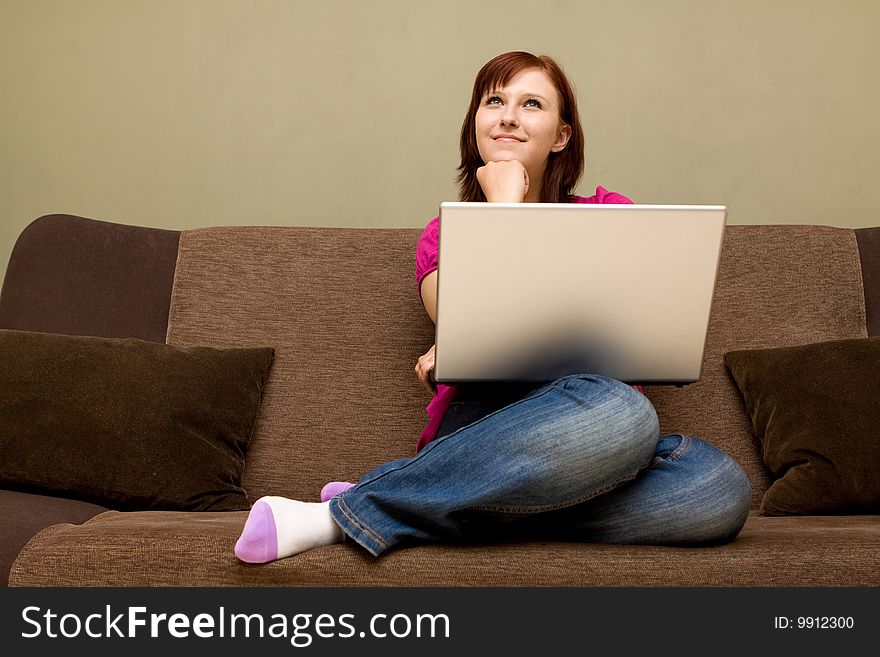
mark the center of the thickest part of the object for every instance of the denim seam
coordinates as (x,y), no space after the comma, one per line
(349,514)
(526,510)
(683,447)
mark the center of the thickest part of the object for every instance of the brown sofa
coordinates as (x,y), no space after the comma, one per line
(341,310)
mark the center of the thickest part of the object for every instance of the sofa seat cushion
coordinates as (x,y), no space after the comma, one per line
(24,515)
(195,549)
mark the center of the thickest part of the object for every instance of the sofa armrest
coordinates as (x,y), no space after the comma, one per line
(78,276)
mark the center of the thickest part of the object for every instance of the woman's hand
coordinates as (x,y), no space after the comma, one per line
(504,182)
(424,369)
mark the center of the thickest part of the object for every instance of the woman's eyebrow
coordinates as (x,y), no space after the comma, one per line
(499,92)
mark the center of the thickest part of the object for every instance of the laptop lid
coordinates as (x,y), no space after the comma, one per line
(535,291)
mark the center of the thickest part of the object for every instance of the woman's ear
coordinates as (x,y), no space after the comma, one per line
(561,138)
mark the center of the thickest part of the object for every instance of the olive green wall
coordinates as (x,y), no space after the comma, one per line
(186,113)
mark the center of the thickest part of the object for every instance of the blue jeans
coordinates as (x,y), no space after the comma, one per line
(576,459)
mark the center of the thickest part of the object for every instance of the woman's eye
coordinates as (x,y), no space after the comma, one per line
(491,100)
(536,102)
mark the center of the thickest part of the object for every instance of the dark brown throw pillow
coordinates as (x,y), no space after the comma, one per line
(816,411)
(129,424)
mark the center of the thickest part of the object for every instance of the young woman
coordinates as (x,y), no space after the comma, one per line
(579,458)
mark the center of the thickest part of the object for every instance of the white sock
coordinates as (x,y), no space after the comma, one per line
(278,527)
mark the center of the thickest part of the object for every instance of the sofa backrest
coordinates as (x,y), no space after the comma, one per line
(341,308)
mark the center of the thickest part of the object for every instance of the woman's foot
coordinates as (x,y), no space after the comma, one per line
(333,489)
(278,527)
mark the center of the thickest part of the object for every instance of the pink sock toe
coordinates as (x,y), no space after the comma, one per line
(334,488)
(258,542)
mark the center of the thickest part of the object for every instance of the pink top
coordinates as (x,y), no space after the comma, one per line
(426,262)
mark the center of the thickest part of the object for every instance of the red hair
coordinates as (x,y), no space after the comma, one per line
(563,168)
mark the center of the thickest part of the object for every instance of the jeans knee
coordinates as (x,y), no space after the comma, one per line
(726,507)
(739,501)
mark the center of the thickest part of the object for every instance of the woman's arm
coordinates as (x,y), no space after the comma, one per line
(428,292)
(501,182)
(425,364)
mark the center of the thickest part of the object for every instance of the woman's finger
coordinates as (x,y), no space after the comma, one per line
(424,367)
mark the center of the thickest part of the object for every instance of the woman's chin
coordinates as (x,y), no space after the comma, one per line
(500,156)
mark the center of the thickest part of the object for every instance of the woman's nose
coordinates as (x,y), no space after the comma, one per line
(508,117)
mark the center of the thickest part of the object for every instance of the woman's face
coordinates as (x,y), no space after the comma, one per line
(521,122)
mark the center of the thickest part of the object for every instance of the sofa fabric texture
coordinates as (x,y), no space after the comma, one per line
(769,551)
(127,423)
(341,310)
(25,515)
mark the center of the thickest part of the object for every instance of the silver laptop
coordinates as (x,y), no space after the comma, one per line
(535,291)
